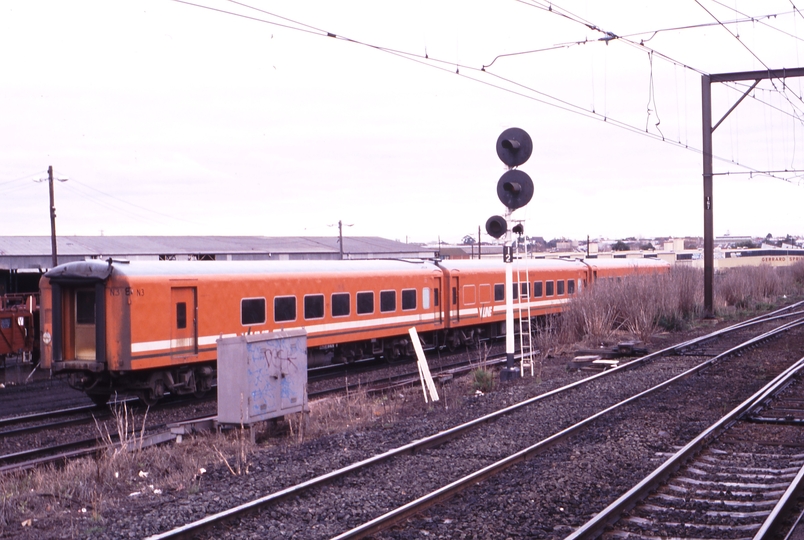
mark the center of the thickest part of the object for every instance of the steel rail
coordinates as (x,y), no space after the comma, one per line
(594,527)
(85,447)
(773,520)
(52,425)
(33,417)
(195,527)
(414,507)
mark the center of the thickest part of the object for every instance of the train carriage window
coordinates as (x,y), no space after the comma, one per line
(426,298)
(523,288)
(284,308)
(537,289)
(85,307)
(314,306)
(340,305)
(499,292)
(252,311)
(365,303)
(455,296)
(408,299)
(387,301)
(570,286)
(560,287)
(181,315)
(548,285)
(435,297)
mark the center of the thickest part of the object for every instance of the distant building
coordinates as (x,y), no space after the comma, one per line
(24,258)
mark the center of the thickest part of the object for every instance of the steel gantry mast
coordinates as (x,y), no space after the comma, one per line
(708,129)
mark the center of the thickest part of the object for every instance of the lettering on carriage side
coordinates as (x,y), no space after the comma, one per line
(128,291)
(485,311)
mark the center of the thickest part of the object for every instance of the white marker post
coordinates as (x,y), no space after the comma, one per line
(424,369)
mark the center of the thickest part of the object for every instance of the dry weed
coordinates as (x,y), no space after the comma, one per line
(237,447)
(750,287)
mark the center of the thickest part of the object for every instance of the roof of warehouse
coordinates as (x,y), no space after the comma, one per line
(153,245)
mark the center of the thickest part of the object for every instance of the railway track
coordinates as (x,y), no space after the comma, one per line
(347,477)
(80,429)
(89,414)
(735,480)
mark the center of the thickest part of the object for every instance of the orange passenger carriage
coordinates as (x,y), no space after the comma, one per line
(152,327)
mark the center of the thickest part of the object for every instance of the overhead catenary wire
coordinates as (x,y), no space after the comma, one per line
(461,69)
(750,51)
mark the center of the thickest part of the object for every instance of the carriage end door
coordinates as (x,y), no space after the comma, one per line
(184,321)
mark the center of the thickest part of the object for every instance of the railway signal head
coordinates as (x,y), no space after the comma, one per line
(496,226)
(515,189)
(514,147)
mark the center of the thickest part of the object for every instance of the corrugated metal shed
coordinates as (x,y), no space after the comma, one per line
(34,252)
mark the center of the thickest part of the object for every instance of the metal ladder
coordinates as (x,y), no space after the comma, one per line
(523,312)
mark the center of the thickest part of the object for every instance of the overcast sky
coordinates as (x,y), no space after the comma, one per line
(172,119)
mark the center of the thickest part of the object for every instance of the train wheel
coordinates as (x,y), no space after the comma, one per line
(453,342)
(392,353)
(156,391)
(147,398)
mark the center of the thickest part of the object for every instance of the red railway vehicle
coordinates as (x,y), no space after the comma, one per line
(17,326)
(151,327)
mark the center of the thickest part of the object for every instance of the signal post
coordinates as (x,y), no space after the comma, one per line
(515,190)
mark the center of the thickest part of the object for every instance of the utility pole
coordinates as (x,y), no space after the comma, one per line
(53,247)
(340,236)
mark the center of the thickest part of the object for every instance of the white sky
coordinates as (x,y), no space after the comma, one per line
(176,120)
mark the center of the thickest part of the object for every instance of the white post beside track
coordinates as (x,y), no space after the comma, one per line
(424,369)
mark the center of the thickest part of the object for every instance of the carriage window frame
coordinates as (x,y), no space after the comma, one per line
(499,292)
(538,289)
(560,287)
(549,287)
(250,308)
(408,299)
(570,286)
(181,315)
(469,295)
(313,306)
(285,306)
(365,302)
(337,304)
(388,301)
(85,306)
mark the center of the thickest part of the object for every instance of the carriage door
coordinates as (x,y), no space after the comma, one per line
(438,313)
(184,323)
(454,300)
(85,324)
